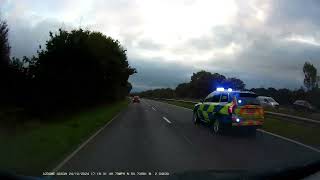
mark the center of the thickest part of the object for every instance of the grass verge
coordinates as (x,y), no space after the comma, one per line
(302,132)
(37,146)
(291,111)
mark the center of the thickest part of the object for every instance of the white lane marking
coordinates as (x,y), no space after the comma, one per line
(154,109)
(290,140)
(185,137)
(59,166)
(166,120)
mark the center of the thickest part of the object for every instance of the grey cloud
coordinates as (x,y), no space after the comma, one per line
(270,62)
(265,58)
(25,39)
(294,11)
(149,45)
(156,73)
(220,37)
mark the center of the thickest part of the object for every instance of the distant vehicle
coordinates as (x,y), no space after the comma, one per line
(268,102)
(303,105)
(226,108)
(136,99)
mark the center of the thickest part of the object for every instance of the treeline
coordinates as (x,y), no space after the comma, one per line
(287,97)
(74,69)
(202,83)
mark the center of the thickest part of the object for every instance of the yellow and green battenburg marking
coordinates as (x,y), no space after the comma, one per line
(208,111)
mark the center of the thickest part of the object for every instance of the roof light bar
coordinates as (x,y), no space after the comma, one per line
(220,89)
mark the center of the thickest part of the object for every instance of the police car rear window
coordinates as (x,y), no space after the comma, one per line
(249,95)
(224,98)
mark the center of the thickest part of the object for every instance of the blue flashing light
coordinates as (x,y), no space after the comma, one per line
(229,90)
(237,120)
(220,89)
(239,101)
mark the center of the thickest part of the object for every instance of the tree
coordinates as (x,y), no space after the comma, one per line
(4,45)
(183,90)
(310,76)
(200,84)
(234,83)
(4,63)
(80,67)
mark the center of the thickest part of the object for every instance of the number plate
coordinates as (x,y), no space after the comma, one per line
(250,111)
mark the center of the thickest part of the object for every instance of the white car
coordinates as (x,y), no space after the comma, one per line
(268,102)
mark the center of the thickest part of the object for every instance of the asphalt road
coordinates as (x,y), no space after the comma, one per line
(159,137)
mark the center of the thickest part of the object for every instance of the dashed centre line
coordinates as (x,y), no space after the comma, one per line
(166,120)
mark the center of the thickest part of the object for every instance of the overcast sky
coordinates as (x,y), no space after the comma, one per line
(264,43)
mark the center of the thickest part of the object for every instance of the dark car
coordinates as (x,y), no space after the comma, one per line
(303,105)
(136,99)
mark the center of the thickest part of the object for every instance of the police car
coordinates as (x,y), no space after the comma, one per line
(225,108)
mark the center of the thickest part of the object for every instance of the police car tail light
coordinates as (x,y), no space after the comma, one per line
(230,109)
(235,118)
(232,106)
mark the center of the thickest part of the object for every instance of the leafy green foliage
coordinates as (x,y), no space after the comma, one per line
(4,60)
(310,76)
(81,67)
(202,83)
(4,45)
(11,71)
(158,93)
(75,69)
(183,90)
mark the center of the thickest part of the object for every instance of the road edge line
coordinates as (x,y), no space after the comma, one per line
(71,155)
(290,140)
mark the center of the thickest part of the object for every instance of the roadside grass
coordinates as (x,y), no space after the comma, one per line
(302,132)
(291,111)
(36,146)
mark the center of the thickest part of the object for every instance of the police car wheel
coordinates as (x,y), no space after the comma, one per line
(195,118)
(216,127)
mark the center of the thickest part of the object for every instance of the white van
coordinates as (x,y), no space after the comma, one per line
(268,102)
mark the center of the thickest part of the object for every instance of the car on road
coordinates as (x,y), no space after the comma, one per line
(268,102)
(136,99)
(223,109)
(303,105)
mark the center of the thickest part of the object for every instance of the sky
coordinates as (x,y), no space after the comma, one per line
(264,43)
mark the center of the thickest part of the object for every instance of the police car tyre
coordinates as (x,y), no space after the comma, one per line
(216,127)
(195,118)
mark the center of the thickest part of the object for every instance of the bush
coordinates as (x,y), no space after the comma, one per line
(80,67)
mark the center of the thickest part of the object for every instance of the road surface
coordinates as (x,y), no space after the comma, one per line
(159,137)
